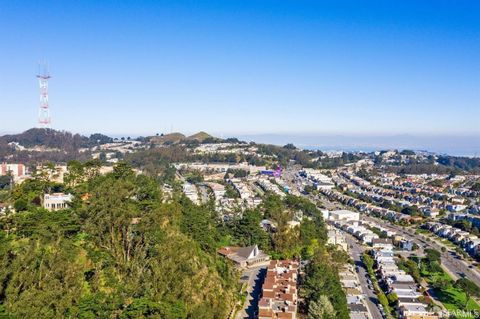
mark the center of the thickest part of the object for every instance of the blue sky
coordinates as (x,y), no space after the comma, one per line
(244,67)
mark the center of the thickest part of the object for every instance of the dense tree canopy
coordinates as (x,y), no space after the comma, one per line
(121,253)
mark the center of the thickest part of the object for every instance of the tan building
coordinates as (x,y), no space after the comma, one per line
(335,237)
(244,256)
(17,171)
(53,174)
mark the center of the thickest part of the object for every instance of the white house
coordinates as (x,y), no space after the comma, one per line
(56,201)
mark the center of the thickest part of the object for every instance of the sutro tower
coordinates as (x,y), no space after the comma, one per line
(43,75)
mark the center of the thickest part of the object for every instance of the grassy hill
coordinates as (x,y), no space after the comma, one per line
(200,136)
(174,138)
(171,138)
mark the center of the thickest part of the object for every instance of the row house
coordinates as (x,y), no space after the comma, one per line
(403,285)
(360,232)
(353,291)
(279,291)
(469,242)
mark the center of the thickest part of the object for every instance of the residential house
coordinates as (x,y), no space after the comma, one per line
(56,201)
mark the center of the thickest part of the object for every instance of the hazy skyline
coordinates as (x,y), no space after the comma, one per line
(459,145)
(245,67)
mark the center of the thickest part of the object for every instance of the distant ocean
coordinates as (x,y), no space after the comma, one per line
(456,145)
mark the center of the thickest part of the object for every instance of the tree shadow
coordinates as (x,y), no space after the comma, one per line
(374,300)
(255,294)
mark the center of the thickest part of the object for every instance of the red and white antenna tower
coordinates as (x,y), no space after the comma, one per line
(43,75)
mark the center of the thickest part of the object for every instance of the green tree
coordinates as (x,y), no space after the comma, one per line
(441,283)
(321,309)
(200,223)
(321,275)
(290,146)
(410,210)
(124,253)
(476,187)
(75,174)
(368,261)
(102,156)
(392,298)
(247,231)
(145,308)
(20,205)
(469,287)
(383,300)
(230,192)
(432,260)
(5,181)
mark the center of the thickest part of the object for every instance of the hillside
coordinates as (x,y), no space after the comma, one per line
(174,138)
(200,136)
(53,139)
(48,138)
(171,138)
(92,261)
(38,145)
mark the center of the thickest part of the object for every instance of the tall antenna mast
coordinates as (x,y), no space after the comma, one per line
(43,75)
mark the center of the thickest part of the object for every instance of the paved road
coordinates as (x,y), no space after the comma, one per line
(457,268)
(254,278)
(356,252)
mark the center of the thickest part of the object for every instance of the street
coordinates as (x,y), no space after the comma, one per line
(371,299)
(254,278)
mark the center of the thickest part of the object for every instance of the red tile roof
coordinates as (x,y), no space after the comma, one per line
(279,291)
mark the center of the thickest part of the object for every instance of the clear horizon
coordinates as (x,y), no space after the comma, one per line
(245,67)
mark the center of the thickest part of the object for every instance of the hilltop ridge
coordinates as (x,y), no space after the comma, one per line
(55,139)
(200,136)
(176,137)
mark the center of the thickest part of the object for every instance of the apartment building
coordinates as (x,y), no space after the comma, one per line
(17,171)
(279,291)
